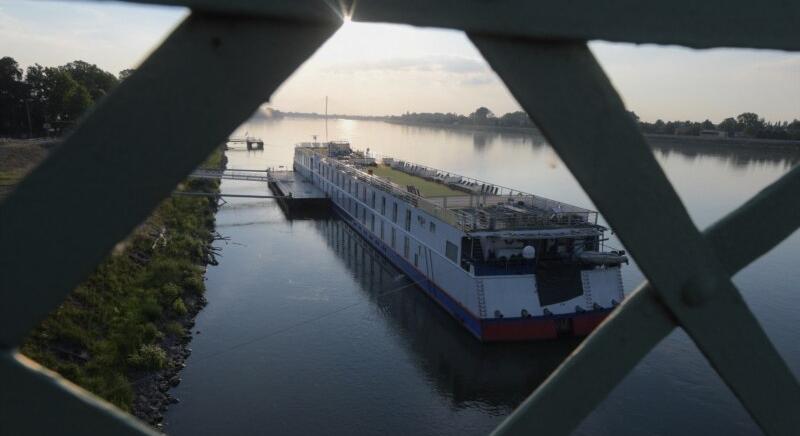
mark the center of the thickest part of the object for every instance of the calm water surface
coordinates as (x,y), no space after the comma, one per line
(308,330)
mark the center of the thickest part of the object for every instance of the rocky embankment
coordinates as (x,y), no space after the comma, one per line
(152,396)
(124,332)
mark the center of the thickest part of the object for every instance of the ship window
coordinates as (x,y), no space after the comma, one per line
(408,220)
(433,227)
(451,251)
(394,236)
(405,247)
(416,259)
(394,212)
(381,230)
(383,205)
(373,200)
(372,222)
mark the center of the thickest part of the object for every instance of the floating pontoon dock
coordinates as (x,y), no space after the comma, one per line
(296,193)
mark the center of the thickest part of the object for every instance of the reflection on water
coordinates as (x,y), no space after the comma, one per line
(463,370)
(308,330)
(741,157)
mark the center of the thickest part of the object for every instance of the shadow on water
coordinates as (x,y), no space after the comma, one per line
(463,370)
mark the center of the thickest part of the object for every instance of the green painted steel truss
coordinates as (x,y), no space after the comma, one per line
(228,57)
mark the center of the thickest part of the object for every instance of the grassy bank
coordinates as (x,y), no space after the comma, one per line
(121,325)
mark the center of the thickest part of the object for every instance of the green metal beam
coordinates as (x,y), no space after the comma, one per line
(643,321)
(132,150)
(219,65)
(712,23)
(586,377)
(774,212)
(37,401)
(561,86)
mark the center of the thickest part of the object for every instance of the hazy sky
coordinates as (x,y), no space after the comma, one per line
(389,69)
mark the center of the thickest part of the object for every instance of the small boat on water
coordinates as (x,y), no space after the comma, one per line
(508,265)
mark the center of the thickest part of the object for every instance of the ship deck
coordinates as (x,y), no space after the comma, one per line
(427,188)
(469,204)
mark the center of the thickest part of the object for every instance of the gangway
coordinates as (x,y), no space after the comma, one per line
(293,191)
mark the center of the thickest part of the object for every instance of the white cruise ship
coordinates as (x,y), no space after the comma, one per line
(507,265)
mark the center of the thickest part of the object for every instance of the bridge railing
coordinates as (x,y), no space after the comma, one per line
(538,49)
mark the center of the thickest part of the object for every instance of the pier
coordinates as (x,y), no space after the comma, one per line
(251,142)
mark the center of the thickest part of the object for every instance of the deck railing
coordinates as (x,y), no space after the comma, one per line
(467,212)
(227,58)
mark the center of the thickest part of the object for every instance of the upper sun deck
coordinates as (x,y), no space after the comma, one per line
(469,204)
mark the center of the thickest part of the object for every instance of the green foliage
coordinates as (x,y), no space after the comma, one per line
(48,96)
(195,284)
(179,307)
(76,101)
(113,323)
(175,329)
(170,291)
(148,356)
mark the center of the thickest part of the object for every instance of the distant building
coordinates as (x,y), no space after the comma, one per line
(712,133)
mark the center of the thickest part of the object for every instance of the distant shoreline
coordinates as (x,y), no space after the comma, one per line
(653,139)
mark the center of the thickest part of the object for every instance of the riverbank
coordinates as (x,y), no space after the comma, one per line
(123,333)
(653,139)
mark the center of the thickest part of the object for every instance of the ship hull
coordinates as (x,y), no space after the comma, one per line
(484,329)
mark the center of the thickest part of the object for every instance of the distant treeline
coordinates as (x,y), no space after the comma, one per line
(480,117)
(44,100)
(748,124)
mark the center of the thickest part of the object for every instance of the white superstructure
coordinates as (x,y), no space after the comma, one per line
(509,265)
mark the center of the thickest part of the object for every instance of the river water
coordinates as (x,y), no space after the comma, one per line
(309,331)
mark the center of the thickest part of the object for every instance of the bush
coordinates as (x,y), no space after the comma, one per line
(150,333)
(195,284)
(151,309)
(171,291)
(148,356)
(179,307)
(175,328)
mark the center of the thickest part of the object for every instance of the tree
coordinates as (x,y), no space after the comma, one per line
(13,98)
(124,74)
(9,71)
(96,81)
(728,125)
(707,125)
(750,123)
(481,115)
(793,129)
(76,101)
(515,119)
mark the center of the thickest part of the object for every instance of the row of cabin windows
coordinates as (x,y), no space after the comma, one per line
(451,250)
